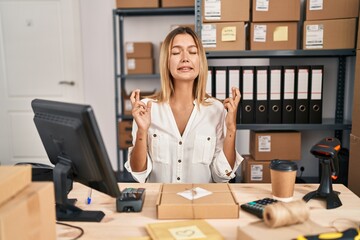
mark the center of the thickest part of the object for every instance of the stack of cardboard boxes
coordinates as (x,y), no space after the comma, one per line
(354,161)
(139,56)
(330,24)
(223,24)
(266,146)
(27,209)
(274,25)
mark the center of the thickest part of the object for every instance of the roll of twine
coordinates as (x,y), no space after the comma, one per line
(283,214)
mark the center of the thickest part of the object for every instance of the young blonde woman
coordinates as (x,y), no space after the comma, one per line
(181,134)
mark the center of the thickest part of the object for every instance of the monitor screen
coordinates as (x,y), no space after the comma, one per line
(73,143)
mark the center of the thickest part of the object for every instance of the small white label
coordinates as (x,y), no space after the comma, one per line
(194,193)
(275,88)
(316,84)
(131,63)
(264,143)
(262,5)
(248,85)
(212,9)
(314,36)
(303,83)
(259,33)
(130,47)
(315,5)
(256,173)
(208,35)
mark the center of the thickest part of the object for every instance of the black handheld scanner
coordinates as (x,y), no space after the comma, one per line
(328,148)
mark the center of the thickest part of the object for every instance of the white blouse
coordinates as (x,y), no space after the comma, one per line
(197,156)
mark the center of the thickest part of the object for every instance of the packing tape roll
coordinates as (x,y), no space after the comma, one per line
(283,214)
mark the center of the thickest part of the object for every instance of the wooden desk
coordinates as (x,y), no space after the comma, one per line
(117,225)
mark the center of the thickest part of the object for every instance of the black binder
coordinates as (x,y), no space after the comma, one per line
(209,82)
(288,94)
(316,95)
(302,81)
(247,92)
(234,81)
(261,94)
(275,80)
(220,82)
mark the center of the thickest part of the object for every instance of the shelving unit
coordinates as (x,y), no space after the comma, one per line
(120,77)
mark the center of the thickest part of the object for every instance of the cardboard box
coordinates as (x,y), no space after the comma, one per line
(221,203)
(140,65)
(226,11)
(331,9)
(274,36)
(269,145)
(137,3)
(30,214)
(354,164)
(259,230)
(139,50)
(255,171)
(229,36)
(355,129)
(177,3)
(13,179)
(275,10)
(358,36)
(124,135)
(329,34)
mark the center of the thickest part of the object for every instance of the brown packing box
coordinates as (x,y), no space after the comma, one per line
(276,10)
(355,129)
(221,203)
(125,137)
(274,36)
(140,65)
(230,36)
(329,34)
(177,3)
(331,9)
(269,145)
(354,164)
(139,49)
(13,179)
(226,11)
(255,171)
(259,230)
(30,214)
(358,36)
(137,3)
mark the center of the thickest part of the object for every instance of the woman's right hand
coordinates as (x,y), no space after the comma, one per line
(141,112)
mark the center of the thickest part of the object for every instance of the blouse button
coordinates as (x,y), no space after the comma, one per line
(154,135)
(208,138)
(179,161)
(178,178)
(180,143)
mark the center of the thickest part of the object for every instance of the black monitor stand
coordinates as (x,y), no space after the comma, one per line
(65,208)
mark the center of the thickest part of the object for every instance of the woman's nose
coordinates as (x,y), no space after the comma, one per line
(184,57)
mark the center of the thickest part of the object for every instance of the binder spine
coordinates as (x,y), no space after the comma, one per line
(247,100)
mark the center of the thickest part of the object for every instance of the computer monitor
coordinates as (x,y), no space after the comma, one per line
(73,143)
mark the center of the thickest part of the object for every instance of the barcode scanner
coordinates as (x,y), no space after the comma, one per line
(327,151)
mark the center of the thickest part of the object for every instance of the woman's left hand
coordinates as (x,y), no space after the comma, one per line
(231,105)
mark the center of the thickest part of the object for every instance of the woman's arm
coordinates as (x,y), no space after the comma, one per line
(231,104)
(141,113)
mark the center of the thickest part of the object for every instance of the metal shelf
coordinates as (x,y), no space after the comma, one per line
(154,11)
(327,124)
(281,53)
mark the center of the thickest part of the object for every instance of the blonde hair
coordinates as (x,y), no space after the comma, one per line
(167,84)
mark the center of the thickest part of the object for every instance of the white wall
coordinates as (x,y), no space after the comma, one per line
(98,67)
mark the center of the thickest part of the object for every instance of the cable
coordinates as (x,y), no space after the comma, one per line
(72,226)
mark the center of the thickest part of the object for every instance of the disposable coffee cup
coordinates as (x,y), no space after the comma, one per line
(283,175)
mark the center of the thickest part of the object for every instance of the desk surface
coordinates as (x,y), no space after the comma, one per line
(117,225)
